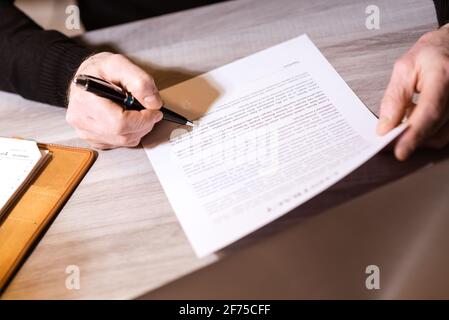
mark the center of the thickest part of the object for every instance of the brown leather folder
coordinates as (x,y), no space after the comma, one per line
(35,208)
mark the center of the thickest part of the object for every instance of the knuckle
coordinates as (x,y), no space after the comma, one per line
(428,36)
(101,55)
(143,82)
(139,84)
(146,78)
(117,57)
(115,60)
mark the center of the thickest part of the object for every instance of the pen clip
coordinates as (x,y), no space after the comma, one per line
(84,79)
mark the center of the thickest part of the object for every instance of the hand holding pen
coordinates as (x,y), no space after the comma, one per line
(109,116)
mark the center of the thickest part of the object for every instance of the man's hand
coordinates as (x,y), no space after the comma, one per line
(101,122)
(424,69)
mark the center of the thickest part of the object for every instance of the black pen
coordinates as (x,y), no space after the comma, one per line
(119,95)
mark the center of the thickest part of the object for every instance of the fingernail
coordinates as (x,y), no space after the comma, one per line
(158,117)
(383,126)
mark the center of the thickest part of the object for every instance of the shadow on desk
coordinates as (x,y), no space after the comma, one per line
(400,228)
(164,77)
(192,100)
(375,173)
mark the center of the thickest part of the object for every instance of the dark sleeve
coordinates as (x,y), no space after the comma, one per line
(35,63)
(442,9)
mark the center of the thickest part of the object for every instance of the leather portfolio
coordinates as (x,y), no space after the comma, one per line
(35,208)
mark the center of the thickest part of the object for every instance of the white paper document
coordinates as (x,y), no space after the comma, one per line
(276,128)
(18,158)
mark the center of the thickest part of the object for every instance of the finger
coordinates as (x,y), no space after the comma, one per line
(428,116)
(121,70)
(109,141)
(104,117)
(398,95)
(141,121)
(84,105)
(128,122)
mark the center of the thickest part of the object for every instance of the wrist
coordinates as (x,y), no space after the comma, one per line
(59,65)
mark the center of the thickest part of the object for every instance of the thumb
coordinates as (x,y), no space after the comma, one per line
(145,91)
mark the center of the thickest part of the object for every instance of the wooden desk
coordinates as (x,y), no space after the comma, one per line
(118,227)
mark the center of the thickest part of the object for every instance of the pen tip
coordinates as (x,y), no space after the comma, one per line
(190,123)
